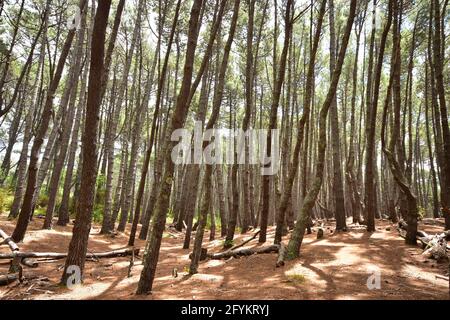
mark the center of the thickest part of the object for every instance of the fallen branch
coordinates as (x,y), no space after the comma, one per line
(54,255)
(433,222)
(246,241)
(12,245)
(243,252)
(438,276)
(9,278)
(422,236)
(404,226)
(30,263)
(434,246)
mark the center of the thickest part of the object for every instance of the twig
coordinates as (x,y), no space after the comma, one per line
(245,242)
(438,276)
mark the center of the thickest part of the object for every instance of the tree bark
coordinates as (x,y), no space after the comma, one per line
(78,244)
(295,242)
(305,117)
(66,128)
(27,205)
(179,114)
(338,187)
(207,179)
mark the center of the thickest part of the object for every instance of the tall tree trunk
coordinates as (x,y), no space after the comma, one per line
(248,109)
(338,187)
(179,114)
(430,150)
(27,205)
(111,132)
(78,244)
(66,128)
(149,150)
(64,208)
(295,242)
(207,179)
(350,174)
(438,67)
(372,105)
(288,20)
(305,117)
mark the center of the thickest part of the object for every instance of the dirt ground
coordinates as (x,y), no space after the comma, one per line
(335,267)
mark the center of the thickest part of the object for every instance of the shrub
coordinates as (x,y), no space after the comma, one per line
(6,199)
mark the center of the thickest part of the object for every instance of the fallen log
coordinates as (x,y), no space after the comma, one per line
(12,245)
(8,278)
(243,252)
(30,263)
(433,222)
(55,255)
(204,254)
(422,236)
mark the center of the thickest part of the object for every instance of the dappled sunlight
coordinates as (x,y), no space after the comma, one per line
(335,267)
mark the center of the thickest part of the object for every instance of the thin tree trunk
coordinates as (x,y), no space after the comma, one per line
(27,205)
(301,124)
(66,128)
(207,179)
(338,187)
(149,150)
(295,242)
(179,114)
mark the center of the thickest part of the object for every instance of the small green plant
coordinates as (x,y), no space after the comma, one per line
(6,199)
(186,269)
(98,213)
(421,211)
(39,211)
(228,243)
(43,200)
(296,278)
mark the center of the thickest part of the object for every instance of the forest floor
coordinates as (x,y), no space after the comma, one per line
(335,267)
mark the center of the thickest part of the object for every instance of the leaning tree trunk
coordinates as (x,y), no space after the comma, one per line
(23,159)
(27,205)
(66,128)
(394,89)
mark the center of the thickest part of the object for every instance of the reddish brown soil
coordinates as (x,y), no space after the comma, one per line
(336,267)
